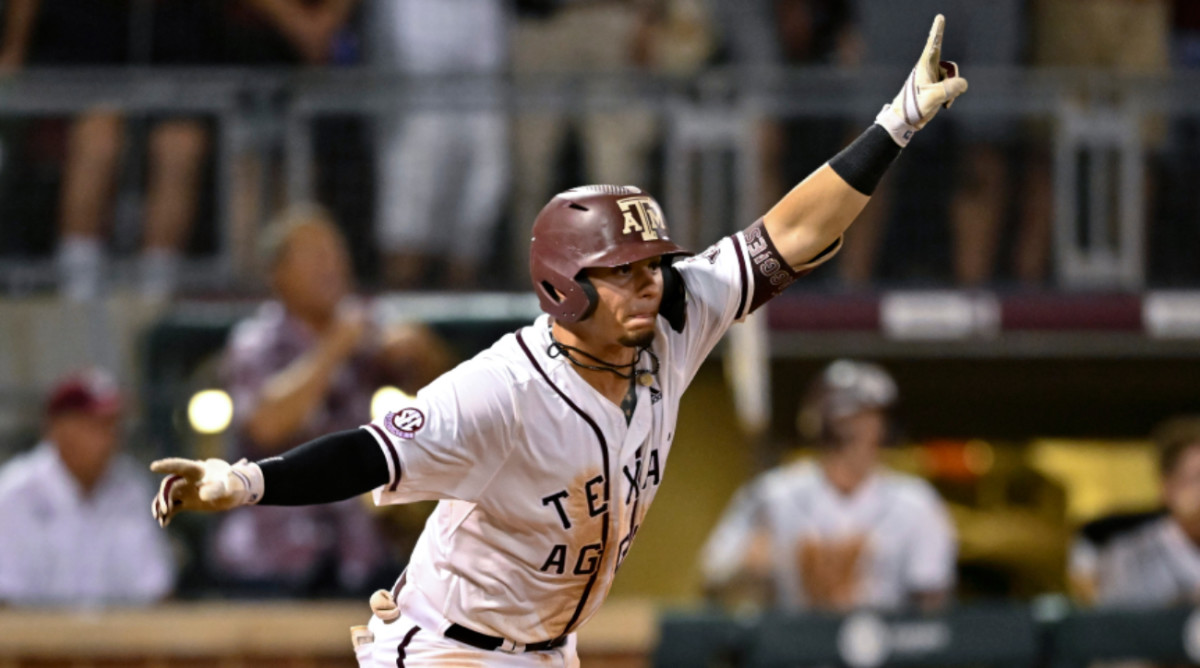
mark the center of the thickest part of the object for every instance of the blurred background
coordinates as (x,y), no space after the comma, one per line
(228,226)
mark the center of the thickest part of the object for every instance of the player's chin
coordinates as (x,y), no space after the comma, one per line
(638,336)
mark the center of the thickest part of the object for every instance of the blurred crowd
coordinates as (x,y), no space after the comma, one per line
(442,197)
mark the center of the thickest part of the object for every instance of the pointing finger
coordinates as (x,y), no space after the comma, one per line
(190,469)
(935,33)
(933,45)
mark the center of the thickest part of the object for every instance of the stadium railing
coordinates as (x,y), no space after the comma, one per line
(992,634)
(711,170)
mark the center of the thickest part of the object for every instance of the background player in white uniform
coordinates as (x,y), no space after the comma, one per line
(841,532)
(1150,559)
(547,449)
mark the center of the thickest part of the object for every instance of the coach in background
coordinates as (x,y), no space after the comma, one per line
(840,532)
(308,363)
(1149,559)
(72,513)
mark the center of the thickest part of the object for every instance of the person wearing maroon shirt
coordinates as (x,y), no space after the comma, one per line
(307,363)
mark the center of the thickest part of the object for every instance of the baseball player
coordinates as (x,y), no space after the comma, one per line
(1149,559)
(546,450)
(841,531)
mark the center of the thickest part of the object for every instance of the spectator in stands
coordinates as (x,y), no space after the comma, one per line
(85,33)
(593,39)
(307,363)
(1116,36)
(1149,559)
(442,173)
(843,531)
(284,34)
(73,511)
(1175,233)
(759,37)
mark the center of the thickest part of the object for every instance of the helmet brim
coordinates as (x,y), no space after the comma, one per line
(630,253)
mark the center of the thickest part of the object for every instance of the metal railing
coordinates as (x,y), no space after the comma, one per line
(997,634)
(711,169)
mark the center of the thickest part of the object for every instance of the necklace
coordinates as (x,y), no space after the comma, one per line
(629,402)
(643,376)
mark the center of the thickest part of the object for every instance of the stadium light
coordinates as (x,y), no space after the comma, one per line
(387,397)
(210,411)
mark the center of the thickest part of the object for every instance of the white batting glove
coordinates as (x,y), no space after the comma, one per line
(933,84)
(209,485)
(384,606)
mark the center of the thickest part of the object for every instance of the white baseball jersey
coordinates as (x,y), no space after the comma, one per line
(909,544)
(1153,565)
(542,483)
(62,547)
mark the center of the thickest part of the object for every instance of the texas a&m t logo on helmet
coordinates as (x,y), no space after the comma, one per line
(405,423)
(642,215)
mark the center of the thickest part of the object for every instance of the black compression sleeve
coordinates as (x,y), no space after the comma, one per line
(863,163)
(331,468)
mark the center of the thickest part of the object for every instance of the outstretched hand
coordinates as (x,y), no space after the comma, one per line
(932,85)
(210,485)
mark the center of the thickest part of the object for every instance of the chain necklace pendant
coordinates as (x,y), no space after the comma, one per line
(629,403)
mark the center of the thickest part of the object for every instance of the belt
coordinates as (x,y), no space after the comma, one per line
(476,639)
(483,641)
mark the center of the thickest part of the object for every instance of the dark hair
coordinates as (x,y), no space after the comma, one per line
(278,233)
(1173,437)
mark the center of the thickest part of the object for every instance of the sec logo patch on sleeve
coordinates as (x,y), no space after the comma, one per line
(405,423)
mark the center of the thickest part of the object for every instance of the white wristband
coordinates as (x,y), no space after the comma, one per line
(251,477)
(900,131)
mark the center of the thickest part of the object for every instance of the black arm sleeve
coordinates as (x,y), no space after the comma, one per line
(331,468)
(863,163)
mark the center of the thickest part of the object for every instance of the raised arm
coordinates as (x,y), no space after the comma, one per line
(813,216)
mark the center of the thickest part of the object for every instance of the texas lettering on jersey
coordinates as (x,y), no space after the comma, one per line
(586,561)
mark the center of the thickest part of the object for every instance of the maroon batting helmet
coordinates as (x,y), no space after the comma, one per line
(592,226)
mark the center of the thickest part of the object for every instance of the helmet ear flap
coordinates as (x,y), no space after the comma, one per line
(589,291)
(674,299)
